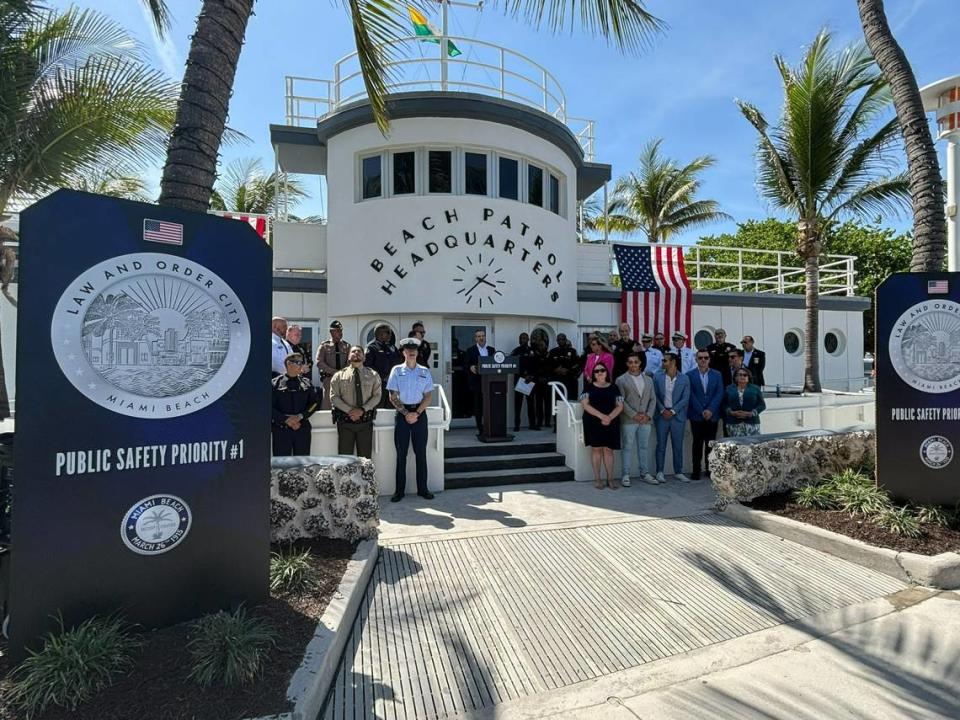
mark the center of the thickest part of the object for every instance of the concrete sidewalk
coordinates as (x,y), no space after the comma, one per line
(894,658)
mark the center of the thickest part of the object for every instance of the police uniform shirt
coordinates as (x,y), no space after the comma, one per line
(688,359)
(566,357)
(293,396)
(411,384)
(281,348)
(381,357)
(654,361)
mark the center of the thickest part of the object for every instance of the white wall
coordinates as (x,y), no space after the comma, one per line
(299,246)
(360,231)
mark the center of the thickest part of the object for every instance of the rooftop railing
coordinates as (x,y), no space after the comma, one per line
(482,67)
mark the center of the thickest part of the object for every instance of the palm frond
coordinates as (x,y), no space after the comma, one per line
(884,197)
(377,24)
(160,14)
(775,174)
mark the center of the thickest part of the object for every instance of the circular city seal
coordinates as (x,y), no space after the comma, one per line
(936,452)
(156,524)
(150,335)
(924,346)
(498,357)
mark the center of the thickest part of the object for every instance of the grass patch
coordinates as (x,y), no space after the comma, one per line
(73,665)
(899,521)
(290,572)
(821,497)
(228,648)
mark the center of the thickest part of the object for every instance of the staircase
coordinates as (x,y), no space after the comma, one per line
(477,464)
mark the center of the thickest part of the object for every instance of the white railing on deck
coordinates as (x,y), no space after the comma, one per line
(417,65)
(761,271)
(558,394)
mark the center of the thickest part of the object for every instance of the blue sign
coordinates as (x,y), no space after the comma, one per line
(142,416)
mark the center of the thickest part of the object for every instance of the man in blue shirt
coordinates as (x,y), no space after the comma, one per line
(409,387)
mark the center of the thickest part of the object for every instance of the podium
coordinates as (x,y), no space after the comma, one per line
(495,372)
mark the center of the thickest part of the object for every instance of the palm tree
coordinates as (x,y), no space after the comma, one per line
(926,184)
(190,170)
(75,93)
(246,188)
(825,158)
(660,199)
(111,180)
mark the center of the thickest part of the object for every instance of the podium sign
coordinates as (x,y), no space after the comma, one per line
(495,371)
(918,386)
(143,397)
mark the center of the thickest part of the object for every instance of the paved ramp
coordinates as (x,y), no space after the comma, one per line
(449,626)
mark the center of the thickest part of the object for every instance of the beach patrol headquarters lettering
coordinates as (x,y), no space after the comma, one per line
(150,335)
(481,255)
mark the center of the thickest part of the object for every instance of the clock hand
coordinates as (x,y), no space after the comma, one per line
(474,285)
(487,282)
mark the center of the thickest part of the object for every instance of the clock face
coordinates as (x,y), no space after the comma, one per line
(479,280)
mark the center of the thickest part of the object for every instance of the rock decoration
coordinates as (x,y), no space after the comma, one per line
(332,496)
(747,468)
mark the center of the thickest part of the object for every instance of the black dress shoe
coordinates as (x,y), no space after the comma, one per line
(695,476)
(534,427)
(516,429)
(426,495)
(397,497)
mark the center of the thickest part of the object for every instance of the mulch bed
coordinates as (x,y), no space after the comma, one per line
(935,539)
(158,688)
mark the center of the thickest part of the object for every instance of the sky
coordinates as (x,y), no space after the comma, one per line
(680,88)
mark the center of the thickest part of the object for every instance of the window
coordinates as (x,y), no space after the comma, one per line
(834,343)
(792,342)
(535,185)
(702,339)
(509,178)
(371,177)
(475,173)
(441,175)
(403,173)
(554,194)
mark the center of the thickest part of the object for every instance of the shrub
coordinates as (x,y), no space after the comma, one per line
(822,497)
(228,648)
(860,499)
(899,521)
(934,515)
(850,478)
(290,572)
(73,664)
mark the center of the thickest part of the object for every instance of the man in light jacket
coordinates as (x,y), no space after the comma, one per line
(706,396)
(639,406)
(673,397)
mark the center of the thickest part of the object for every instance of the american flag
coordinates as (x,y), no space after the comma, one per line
(656,293)
(937,287)
(163,232)
(257,222)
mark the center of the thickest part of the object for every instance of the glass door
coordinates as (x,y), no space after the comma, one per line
(458,336)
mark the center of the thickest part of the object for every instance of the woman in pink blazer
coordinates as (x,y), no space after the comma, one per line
(598,353)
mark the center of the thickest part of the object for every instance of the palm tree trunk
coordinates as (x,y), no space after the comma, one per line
(926,185)
(191,166)
(811,327)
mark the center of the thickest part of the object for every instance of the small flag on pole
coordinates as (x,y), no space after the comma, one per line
(423,28)
(163,232)
(937,287)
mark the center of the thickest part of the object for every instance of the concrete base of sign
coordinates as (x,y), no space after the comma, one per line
(938,571)
(311,682)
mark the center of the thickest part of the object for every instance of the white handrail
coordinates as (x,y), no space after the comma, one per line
(560,393)
(444,406)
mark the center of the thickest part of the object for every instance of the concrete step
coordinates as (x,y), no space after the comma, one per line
(502,462)
(513,476)
(507,448)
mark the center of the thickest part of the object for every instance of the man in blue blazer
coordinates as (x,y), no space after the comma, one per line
(673,397)
(706,396)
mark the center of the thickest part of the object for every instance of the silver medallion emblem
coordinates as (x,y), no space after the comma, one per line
(936,452)
(498,357)
(156,524)
(924,346)
(150,335)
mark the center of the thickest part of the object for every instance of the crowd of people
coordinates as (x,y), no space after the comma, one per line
(632,390)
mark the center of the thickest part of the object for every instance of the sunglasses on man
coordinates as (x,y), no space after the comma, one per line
(294,362)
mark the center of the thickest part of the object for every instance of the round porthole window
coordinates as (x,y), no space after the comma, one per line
(833,342)
(702,339)
(792,342)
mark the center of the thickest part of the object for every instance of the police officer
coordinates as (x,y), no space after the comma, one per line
(524,354)
(332,356)
(381,356)
(566,365)
(622,349)
(720,354)
(409,386)
(424,352)
(295,399)
(654,356)
(688,358)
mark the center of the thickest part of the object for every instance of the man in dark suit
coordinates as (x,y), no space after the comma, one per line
(754,360)
(706,396)
(471,359)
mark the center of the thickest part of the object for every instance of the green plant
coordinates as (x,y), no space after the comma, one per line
(822,497)
(73,664)
(861,499)
(228,648)
(934,515)
(290,572)
(850,477)
(899,521)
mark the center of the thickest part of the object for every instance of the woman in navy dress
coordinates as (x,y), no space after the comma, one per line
(602,406)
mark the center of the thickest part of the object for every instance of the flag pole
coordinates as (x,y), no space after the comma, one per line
(443,46)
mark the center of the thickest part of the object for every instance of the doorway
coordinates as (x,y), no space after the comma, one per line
(457,337)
